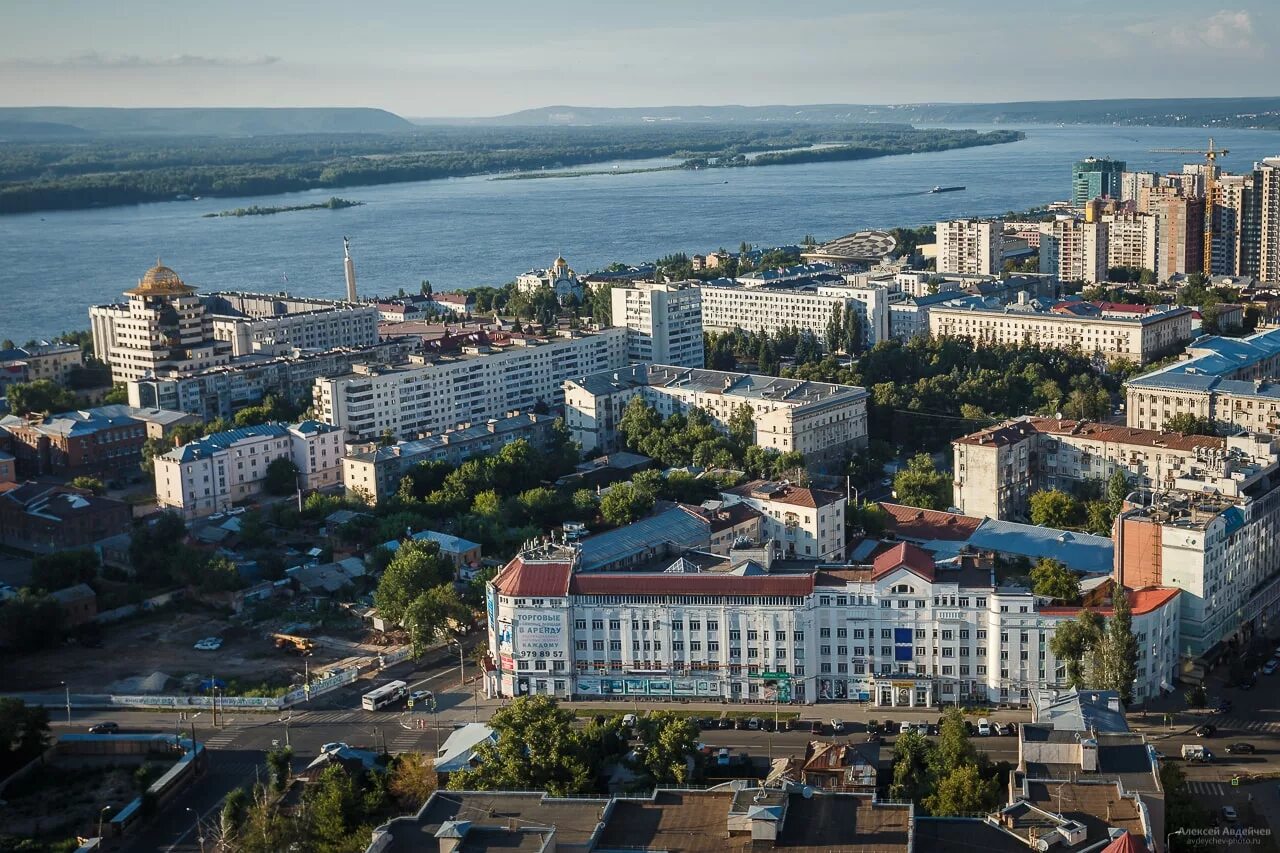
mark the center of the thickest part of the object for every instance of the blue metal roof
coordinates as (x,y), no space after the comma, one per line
(1082,552)
(677,526)
(210,444)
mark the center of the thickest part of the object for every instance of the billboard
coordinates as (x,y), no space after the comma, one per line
(540,634)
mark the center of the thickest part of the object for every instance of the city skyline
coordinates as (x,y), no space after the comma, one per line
(449,62)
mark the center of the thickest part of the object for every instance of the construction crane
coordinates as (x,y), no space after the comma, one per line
(1210,155)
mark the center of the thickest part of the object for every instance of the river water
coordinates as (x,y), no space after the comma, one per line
(466,232)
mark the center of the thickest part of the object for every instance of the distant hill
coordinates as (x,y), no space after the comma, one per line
(39,122)
(1192,112)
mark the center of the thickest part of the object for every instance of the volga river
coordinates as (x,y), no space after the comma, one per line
(475,231)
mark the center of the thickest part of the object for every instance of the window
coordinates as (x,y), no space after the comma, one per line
(735,635)
(597,645)
(580,624)
(842,651)
(713,625)
(695,624)
(886,633)
(580,645)
(824,650)
(752,635)
(615,625)
(842,632)
(798,636)
(859,634)
(824,632)
(597,624)
(886,651)
(677,624)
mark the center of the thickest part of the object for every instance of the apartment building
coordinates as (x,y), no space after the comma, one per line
(663,322)
(825,422)
(1066,325)
(1132,184)
(511,372)
(1268,183)
(1237,225)
(1131,240)
(53,362)
(1096,177)
(899,631)
(1230,381)
(214,473)
(803,523)
(1181,236)
(163,326)
(220,392)
(377,470)
(774,309)
(104,442)
(971,246)
(997,469)
(1074,250)
(1219,549)
(275,324)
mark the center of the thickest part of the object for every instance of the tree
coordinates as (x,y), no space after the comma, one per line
(1054,508)
(151,448)
(333,809)
(963,791)
(1117,489)
(1189,424)
(24,733)
(90,484)
(625,503)
(669,741)
(431,615)
(59,570)
(1052,579)
(953,749)
(638,420)
(282,477)
(412,780)
(1121,653)
(1074,640)
(911,774)
(921,484)
(537,749)
(119,394)
(742,426)
(416,568)
(279,767)
(40,395)
(30,620)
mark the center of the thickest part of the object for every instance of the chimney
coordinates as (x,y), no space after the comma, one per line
(1088,756)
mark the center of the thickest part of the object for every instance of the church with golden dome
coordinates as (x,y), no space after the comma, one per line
(163,326)
(563,281)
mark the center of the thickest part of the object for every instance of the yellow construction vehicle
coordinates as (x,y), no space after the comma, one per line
(298,644)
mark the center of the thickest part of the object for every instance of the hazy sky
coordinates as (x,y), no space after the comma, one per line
(432,58)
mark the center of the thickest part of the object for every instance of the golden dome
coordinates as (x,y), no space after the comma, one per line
(160,281)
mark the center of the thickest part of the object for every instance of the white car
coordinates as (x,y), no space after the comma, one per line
(209,644)
(417,697)
(984,727)
(1229,814)
(904,727)
(1271,666)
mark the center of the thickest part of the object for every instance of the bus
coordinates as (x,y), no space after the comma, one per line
(392,691)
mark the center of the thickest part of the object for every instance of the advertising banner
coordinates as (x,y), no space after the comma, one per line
(540,634)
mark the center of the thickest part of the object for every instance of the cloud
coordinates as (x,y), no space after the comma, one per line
(94,59)
(1226,29)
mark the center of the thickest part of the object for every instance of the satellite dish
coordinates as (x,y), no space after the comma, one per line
(806,792)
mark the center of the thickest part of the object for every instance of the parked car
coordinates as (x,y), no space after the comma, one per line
(925,729)
(1241,749)
(1271,666)
(984,727)
(1222,706)
(998,729)
(1011,728)
(1247,683)
(1229,814)
(1206,730)
(905,727)
(740,723)
(888,727)
(208,644)
(837,727)
(755,724)
(786,725)
(723,757)
(104,728)
(333,747)
(969,728)
(726,722)
(629,720)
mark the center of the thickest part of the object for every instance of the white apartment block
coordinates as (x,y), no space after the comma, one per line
(1268,172)
(825,422)
(271,324)
(1074,250)
(1230,381)
(971,246)
(214,473)
(1220,550)
(162,327)
(805,524)
(1132,184)
(1131,240)
(663,322)
(1067,325)
(514,373)
(774,309)
(900,632)
(997,469)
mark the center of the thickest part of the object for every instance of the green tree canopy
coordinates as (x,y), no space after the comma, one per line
(538,749)
(1054,580)
(282,477)
(625,503)
(921,484)
(40,395)
(1054,508)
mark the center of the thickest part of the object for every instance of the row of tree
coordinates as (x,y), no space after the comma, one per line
(1100,653)
(946,777)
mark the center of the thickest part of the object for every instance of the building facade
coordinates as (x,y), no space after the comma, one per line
(804,523)
(1181,238)
(512,373)
(46,519)
(53,362)
(1268,183)
(275,324)
(663,322)
(1074,249)
(1096,177)
(773,310)
(973,246)
(558,278)
(825,422)
(214,473)
(897,632)
(105,441)
(1131,240)
(1067,325)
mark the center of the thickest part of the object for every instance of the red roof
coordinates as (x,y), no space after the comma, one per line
(903,555)
(631,583)
(786,493)
(546,579)
(1125,844)
(910,522)
(1141,601)
(1123,307)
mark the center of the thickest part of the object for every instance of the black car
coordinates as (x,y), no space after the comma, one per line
(1206,730)
(740,723)
(726,723)
(1222,706)
(889,727)
(1247,683)
(104,728)
(1241,749)
(969,728)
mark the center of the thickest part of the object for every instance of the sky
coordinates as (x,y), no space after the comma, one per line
(488,57)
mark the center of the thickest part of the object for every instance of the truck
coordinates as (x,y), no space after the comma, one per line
(1196,752)
(290,641)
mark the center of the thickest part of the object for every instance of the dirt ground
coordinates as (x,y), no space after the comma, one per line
(64,800)
(163,642)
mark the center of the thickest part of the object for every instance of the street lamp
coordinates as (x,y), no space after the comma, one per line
(1168,839)
(285,722)
(196,827)
(101,813)
(67,687)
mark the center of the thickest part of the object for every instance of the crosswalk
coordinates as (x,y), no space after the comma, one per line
(1214,789)
(331,716)
(405,741)
(1241,724)
(221,739)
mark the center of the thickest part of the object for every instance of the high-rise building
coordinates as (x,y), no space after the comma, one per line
(663,322)
(1095,177)
(971,246)
(1074,250)
(1181,236)
(1131,240)
(1236,225)
(1132,183)
(1268,176)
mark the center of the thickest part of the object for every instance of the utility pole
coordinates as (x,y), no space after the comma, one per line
(67,687)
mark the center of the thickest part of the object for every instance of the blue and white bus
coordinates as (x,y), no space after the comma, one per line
(392,691)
